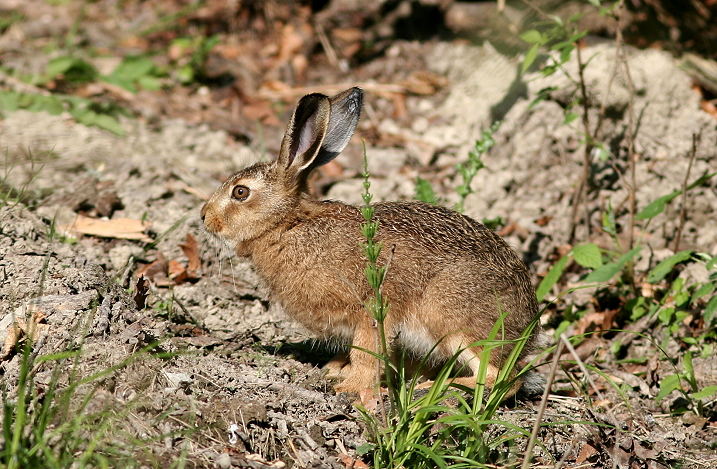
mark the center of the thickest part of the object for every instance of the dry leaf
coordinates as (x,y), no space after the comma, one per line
(709,107)
(153,269)
(33,330)
(351,463)
(399,105)
(177,272)
(424,83)
(291,42)
(190,248)
(13,336)
(347,34)
(141,292)
(121,228)
(544,220)
(586,452)
(369,400)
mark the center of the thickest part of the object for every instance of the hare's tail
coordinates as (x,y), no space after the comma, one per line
(533,384)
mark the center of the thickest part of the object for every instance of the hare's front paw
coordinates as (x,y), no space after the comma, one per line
(337,367)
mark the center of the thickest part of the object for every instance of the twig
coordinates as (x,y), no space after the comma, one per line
(543,405)
(581,365)
(566,454)
(630,134)
(328,48)
(585,183)
(611,417)
(683,208)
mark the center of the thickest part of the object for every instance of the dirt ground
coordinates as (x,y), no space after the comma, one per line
(234,359)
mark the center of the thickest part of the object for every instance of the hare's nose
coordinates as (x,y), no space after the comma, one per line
(203,212)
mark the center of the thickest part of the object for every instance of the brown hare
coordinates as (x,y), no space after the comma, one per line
(450,278)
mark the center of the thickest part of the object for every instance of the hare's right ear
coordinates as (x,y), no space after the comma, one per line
(345,114)
(305,133)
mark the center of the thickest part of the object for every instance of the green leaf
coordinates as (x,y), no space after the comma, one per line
(133,67)
(588,255)
(365,449)
(704,290)
(657,206)
(608,220)
(551,278)
(533,36)
(566,52)
(607,271)
(667,385)
(72,69)
(9,101)
(710,309)
(666,266)
(185,74)
(121,82)
(150,83)
(665,315)
(570,117)
(107,122)
(701,180)
(59,65)
(425,192)
(49,104)
(704,393)
(530,57)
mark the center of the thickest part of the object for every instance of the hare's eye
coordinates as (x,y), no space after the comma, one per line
(240,192)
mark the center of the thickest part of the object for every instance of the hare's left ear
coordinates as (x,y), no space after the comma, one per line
(305,133)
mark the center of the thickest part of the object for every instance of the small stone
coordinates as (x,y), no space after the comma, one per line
(224,461)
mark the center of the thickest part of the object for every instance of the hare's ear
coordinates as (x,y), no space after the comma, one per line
(345,113)
(305,133)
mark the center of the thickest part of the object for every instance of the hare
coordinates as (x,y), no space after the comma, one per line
(449,281)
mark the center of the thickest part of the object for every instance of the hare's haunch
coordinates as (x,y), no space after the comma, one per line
(450,278)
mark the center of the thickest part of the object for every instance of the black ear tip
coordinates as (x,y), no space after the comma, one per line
(355,99)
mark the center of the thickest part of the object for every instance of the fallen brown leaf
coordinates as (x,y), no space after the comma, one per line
(11,339)
(141,292)
(352,463)
(347,34)
(709,107)
(544,220)
(151,270)
(290,43)
(369,400)
(33,329)
(121,228)
(190,248)
(177,271)
(586,452)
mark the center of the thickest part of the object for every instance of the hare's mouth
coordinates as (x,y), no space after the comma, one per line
(217,239)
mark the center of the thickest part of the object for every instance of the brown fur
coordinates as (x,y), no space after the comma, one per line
(449,278)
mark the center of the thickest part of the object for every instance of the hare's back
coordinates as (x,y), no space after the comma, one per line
(440,231)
